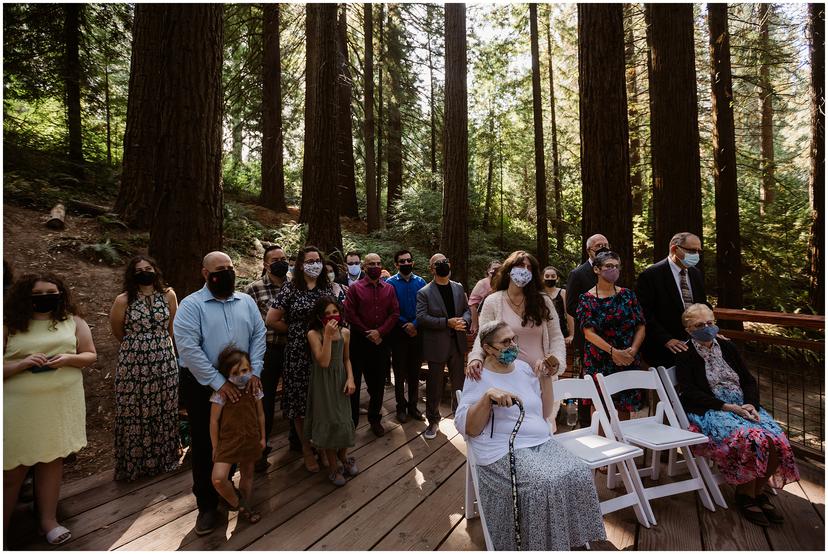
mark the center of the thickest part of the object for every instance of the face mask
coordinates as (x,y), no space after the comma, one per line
(442,269)
(290,269)
(520,276)
(690,260)
(705,334)
(508,355)
(45,303)
(611,275)
(354,270)
(550,282)
(221,283)
(373,272)
(331,276)
(406,269)
(334,317)
(312,269)
(279,269)
(145,278)
(240,380)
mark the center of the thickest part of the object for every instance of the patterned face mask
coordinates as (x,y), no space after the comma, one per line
(520,276)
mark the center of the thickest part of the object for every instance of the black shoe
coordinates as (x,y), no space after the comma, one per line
(745,504)
(416,415)
(206,522)
(261,465)
(770,511)
(377,428)
(402,417)
(295,446)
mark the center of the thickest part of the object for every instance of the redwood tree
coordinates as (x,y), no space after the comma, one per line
(273,167)
(766,190)
(674,124)
(816,183)
(187,219)
(454,238)
(728,237)
(553,131)
(322,208)
(542,227)
(346,180)
(368,127)
(394,56)
(72,77)
(605,162)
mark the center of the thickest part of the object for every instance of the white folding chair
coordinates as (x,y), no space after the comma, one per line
(599,451)
(651,432)
(473,507)
(674,466)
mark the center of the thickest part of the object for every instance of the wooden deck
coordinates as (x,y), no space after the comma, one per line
(408,496)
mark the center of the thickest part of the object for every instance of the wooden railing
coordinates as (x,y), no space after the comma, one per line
(803,321)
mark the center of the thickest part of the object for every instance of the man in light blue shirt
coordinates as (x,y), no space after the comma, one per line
(207,321)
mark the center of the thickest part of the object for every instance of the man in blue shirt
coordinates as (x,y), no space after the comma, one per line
(207,321)
(405,342)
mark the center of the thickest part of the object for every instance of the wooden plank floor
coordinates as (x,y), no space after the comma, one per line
(408,496)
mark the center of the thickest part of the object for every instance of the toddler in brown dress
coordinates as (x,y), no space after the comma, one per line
(237,431)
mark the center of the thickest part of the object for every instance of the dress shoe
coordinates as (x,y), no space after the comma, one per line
(377,428)
(206,522)
(416,415)
(402,417)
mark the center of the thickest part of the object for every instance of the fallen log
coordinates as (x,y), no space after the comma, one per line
(89,208)
(57,218)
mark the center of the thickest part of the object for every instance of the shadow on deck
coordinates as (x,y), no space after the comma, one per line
(408,496)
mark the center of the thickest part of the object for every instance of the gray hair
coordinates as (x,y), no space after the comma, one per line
(693,310)
(680,238)
(488,331)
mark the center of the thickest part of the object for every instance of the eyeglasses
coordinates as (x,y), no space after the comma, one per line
(405,261)
(690,250)
(701,324)
(508,342)
(443,261)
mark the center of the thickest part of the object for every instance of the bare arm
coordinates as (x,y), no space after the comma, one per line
(117,316)
(547,397)
(261,417)
(86,353)
(172,302)
(478,415)
(320,348)
(12,368)
(640,332)
(275,320)
(346,354)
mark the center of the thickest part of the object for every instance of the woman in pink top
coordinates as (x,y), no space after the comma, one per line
(480,291)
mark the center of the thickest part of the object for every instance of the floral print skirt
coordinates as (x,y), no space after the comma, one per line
(740,447)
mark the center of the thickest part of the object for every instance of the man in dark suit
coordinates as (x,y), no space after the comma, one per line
(665,289)
(443,316)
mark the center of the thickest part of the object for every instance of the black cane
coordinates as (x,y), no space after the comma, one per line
(513,470)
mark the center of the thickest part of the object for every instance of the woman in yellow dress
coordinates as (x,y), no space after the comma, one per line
(45,345)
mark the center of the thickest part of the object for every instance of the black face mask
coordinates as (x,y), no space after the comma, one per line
(550,282)
(45,303)
(279,269)
(406,269)
(145,277)
(221,283)
(442,269)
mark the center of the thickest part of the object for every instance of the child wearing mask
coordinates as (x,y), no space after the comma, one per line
(328,423)
(237,431)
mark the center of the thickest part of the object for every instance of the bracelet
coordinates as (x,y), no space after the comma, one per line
(610,351)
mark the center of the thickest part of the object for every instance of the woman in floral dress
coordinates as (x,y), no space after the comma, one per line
(288,314)
(613,325)
(146,379)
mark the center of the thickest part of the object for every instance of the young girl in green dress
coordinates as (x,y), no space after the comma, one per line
(328,423)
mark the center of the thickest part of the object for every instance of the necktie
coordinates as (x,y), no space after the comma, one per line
(686,295)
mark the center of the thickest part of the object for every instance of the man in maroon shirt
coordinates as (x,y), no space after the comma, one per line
(372,309)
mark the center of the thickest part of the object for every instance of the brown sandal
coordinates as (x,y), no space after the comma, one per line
(310,461)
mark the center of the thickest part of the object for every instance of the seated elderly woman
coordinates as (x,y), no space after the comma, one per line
(721,399)
(559,507)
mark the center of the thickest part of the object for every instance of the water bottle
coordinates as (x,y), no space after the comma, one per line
(571,413)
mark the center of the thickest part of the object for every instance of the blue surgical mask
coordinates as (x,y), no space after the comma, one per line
(508,355)
(240,380)
(705,334)
(690,260)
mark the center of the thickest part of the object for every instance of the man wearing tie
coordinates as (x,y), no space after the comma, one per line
(665,289)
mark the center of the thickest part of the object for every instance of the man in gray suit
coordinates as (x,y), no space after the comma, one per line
(443,316)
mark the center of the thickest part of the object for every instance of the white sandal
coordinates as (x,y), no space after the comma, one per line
(54,536)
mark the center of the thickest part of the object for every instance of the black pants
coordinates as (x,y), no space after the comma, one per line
(274,360)
(370,360)
(584,415)
(434,385)
(405,357)
(197,402)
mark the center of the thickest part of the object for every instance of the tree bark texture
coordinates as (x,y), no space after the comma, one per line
(553,130)
(71,31)
(454,238)
(766,190)
(816,183)
(311,110)
(188,214)
(320,151)
(674,124)
(541,224)
(395,155)
(368,127)
(487,207)
(605,162)
(273,163)
(728,236)
(346,180)
(636,175)
(380,113)
(431,111)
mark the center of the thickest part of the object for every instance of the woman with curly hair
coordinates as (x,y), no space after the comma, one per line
(146,379)
(45,345)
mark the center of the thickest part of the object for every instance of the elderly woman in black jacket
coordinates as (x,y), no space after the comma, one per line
(721,399)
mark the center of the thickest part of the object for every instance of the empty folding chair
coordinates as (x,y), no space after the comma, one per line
(599,451)
(473,507)
(651,432)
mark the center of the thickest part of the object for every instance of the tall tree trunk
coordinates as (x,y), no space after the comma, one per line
(395,161)
(72,79)
(311,109)
(636,175)
(368,107)
(605,161)
(188,197)
(143,127)
(108,115)
(542,223)
(346,180)
(454,238)
(320,151)
(766,191)
(273,163)
(433,123)
(674,124)
(728,237)
(380,120)
(487,207)
(553,129)
(816,183)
